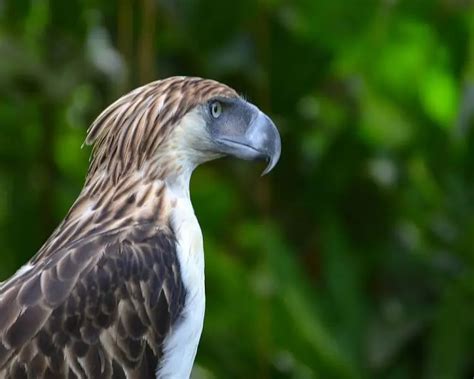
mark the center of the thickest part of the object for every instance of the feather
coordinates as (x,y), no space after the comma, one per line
(105,291)
(121,136)
(127,315)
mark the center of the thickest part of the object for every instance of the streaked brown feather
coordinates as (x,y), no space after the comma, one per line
(121,137)
(107,296)
(105,289)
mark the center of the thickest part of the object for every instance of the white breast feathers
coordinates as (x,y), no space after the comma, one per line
(181,345)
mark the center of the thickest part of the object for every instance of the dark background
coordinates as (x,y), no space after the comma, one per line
(354,257)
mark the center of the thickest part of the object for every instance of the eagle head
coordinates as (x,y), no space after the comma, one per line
(170,126)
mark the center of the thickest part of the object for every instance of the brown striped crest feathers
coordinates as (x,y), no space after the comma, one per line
(130,131)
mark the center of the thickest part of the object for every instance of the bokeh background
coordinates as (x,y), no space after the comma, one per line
(354,257)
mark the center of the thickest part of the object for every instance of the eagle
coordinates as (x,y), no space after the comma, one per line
(117,291)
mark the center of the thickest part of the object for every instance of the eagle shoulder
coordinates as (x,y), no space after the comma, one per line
(101,307)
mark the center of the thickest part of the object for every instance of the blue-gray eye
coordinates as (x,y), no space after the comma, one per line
(216,109)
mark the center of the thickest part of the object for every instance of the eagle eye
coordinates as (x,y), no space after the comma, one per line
(216,109)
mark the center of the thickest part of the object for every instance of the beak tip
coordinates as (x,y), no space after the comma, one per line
(272,161)
(266,171)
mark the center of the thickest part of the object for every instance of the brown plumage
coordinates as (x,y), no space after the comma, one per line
(125,135)
(101,296)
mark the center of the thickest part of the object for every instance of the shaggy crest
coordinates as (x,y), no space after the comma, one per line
(130,131)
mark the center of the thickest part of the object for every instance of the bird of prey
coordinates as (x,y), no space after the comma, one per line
(117,291)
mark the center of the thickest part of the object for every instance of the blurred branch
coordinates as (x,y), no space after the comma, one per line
(47,168)
(466,110)
(147,53)
(125,33)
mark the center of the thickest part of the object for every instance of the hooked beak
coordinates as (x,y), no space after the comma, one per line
(260,140)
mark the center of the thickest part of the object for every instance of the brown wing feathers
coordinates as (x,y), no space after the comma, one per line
(90,315)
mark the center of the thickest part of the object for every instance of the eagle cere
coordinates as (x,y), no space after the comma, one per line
(117,291)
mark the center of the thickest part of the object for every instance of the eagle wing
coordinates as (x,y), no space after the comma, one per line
(99,308)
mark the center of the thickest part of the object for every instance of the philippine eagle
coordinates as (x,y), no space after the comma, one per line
(117,291)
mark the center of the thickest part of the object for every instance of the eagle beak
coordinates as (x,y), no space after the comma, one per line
(265,138)
(260,140)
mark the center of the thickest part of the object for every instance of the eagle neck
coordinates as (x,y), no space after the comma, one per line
(178,184)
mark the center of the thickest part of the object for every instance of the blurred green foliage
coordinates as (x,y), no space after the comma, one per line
(354,258)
